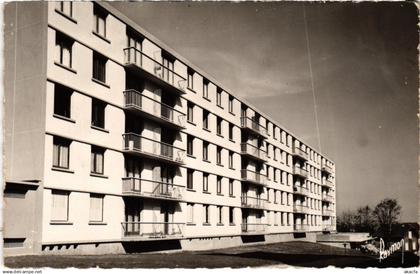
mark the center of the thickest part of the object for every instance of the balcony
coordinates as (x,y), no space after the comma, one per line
(137,231)
(300,190)
(137,187)
(138,103)
(253,126)
(138,145)
(328,228)
(327,183)
(253,228)
(298,152)
(327,198)
(326,169)
(252,202)
(146,66)
(302,209)
(300,228)
(253,177)
(298,171)
(253,152)
(327,212)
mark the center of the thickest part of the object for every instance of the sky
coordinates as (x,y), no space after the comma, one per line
(364,72)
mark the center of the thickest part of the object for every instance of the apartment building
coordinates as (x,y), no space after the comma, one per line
(114,142)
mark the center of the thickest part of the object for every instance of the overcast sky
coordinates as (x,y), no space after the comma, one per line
(365,70)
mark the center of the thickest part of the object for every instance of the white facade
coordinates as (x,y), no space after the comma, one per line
(150,186)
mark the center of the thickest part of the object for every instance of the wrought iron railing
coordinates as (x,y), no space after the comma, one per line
(152,229)
(154,189)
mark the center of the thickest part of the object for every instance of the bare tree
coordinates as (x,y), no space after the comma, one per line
(365,221)
(387,213)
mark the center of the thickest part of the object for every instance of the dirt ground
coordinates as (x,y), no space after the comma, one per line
(287,254)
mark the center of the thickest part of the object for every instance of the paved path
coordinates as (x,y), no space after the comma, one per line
(280,255)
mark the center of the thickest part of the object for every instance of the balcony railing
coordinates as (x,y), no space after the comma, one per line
(152,230)
(135,143)
(327,212)
(301,190)
(253,151)
(327,183)
(153,189)
(326,168)
(328,227)
(135,100)
(297,151)
(150,66)
(300,208)
(254,177)
(253,227)
(327,198)
(300,172)
(252,202)
(249,123)
(300,227)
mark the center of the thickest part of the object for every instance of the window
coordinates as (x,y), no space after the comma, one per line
(219,185)
(205,151)
(205,119)
(276,218)
(219,126)
(190,145)
(205,182)
(206,214)
(220,214)
(60,206)
(219,97)
(190,210)
(65,7)
(168,67)
(274,132)
(275,196)
(230,187)
(61,152)
(97,160)
(282,218)
(63,46)
(99,17)
(274,153)
(99,67)
(219,155)
(62,101)
(268,195)
(96,208)
(275,175)
(98,113)
(230,131)
(287,218)
(206,89)
(230,104)
(230,159)
(190,112)
(13,242)
(231,217)
(190,79)
(190,174)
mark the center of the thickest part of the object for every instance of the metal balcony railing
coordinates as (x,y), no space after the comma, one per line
(135,143)
(300,227)
(153,189)
(139,59)
(328,198)
(300,172)
(297,151)
(253,227)
(301,190)
(254,177)
(326,168)
(253,151)
(152,230)
(253,125)
(327,182)
(162,112)
(300,208)
(252,202)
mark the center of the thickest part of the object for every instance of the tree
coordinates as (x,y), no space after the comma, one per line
(346,222)
(365,221)
(387,213)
